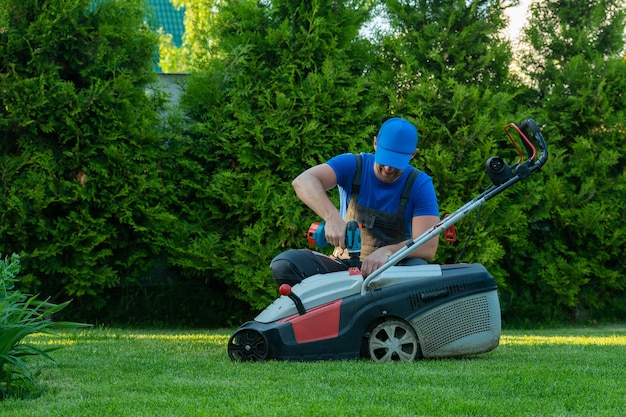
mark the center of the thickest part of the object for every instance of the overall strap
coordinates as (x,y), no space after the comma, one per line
(356,182)
(406,191)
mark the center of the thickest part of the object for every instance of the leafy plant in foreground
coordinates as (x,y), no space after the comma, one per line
(22,315)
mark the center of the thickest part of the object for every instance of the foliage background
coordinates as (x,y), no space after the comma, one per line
(148,213)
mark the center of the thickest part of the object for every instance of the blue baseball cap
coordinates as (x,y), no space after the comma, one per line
(396,143)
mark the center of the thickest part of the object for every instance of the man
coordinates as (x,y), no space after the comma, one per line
(393,202)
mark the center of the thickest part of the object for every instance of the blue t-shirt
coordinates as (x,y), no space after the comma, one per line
(380,195)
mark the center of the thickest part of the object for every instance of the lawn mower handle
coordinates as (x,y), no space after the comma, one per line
(502,179)
(529,124)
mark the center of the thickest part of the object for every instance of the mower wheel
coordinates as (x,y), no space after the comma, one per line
(247,345)
(393,340)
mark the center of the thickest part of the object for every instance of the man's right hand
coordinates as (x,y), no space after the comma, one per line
(336,231)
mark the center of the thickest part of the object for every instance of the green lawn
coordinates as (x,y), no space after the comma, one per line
(116,372)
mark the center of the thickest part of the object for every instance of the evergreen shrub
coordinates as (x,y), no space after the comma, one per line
(86,201)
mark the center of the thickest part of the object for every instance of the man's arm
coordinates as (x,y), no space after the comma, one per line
(311,187)
(420,225)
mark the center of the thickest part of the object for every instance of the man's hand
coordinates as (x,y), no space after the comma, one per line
(335,229)
(374,261)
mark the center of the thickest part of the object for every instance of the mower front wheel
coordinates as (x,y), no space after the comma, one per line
(247,345)
(393,340)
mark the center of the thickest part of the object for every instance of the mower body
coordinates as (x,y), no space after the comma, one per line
(408,312)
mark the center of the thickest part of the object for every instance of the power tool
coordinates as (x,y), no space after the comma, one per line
(317,237)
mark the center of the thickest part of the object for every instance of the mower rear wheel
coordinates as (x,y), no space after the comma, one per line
(247,345)
(393,340)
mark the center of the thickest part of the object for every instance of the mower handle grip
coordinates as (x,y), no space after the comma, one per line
(530,126)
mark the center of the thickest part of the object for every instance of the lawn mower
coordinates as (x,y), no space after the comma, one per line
(398,313)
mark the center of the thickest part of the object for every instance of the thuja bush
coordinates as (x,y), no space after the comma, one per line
(22,315)
(460,100)
(573,263)
(84,197)
(288,93)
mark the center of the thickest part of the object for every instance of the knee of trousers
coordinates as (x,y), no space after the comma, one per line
(285,268)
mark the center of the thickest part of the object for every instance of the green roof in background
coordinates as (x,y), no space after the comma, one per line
(169,18)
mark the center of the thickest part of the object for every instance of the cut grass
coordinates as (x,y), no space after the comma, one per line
(116,372)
